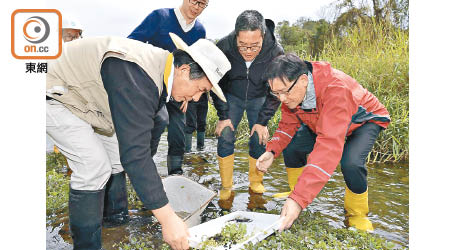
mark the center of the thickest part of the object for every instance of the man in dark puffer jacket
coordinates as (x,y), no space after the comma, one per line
(249,48)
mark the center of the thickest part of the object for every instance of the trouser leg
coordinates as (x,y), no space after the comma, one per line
(88,158)
(300,146)
(356,150)
(177,123)
(161,122)
(84,149)
(225,147)
(175,138)
(202,112)
(253,107)
(191,124)
(226,141)
(115,212)
(255,177)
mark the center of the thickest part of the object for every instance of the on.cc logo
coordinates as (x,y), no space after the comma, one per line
(36,29)
(36,34)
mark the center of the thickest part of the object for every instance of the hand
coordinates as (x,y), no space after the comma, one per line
(174,230)
(291,210)
(264,162)
(263,133)
(222,124)
(184,106)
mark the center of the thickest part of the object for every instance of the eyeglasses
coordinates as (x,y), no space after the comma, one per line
(198,3)
(252,48)
(70,37)
(278,94)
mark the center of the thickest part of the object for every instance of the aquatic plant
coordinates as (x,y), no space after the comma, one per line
(311,231)
(57,195)
(231,234)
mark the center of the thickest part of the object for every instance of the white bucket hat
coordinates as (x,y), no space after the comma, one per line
(210,58)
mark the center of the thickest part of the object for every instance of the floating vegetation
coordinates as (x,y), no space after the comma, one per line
(232,233)
(311,231)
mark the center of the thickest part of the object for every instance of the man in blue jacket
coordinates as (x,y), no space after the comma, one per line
(155,30)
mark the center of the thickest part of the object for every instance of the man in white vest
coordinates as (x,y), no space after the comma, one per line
(106,86)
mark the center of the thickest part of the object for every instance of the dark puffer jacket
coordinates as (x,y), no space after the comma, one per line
(248,84)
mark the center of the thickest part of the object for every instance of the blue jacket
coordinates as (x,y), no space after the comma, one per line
(156,27)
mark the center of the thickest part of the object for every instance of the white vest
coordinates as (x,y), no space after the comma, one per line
(74,78)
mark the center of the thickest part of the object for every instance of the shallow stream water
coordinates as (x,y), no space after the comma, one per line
(388,198)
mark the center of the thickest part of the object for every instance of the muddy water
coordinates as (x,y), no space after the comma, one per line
(388,198)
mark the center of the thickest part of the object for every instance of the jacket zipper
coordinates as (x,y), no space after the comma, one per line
(248,83)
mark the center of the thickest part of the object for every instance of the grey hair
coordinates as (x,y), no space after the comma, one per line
(250,20)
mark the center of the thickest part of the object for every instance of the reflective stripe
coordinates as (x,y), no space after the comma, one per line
(283,133)
(323,171)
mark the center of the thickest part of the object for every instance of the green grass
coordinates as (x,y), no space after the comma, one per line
(57,191)
(310,231)
(377,56)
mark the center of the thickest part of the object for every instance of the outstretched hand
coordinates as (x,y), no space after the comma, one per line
(291,210)
(174,230)
(264,161)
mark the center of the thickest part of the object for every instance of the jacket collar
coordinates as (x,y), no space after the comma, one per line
(309,102)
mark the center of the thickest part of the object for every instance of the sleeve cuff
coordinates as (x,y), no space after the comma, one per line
(299,201)
(159,204)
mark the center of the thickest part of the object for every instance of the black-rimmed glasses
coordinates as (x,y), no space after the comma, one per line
(198,3)
(252,48)
(278,94)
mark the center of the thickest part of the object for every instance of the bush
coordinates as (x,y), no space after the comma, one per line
(377,56)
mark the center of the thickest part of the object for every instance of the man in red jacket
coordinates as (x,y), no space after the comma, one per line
(328,115)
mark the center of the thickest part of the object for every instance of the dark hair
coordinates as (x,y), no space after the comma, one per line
(181,57)
(287,66)
(250,20)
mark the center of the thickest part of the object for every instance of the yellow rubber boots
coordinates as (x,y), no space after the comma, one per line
(357,208)
(255,176)
(226,165)
(292,174)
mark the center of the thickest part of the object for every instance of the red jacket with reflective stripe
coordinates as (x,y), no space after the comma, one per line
(342,105)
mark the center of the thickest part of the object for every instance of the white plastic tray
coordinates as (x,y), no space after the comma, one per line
(260,226)
(187,197)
